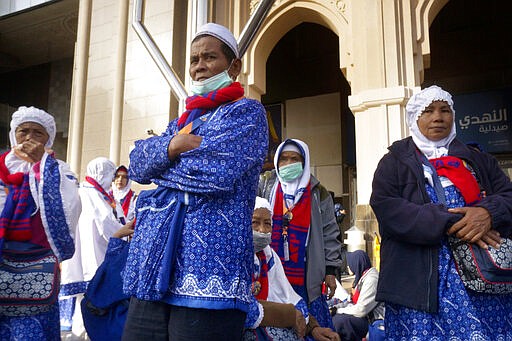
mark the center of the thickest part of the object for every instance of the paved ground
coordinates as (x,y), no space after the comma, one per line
(68,336)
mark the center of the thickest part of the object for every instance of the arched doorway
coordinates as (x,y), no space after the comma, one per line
(471,48)
(307,98)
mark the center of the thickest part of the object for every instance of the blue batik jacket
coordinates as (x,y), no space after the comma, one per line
(193,240)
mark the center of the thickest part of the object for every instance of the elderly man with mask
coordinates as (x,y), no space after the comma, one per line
(39,206)
(188,268)
(305,233)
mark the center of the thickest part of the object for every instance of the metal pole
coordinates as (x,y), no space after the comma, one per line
(253,25)
(176,85)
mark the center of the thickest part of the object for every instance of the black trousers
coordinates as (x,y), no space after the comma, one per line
(157,321)
(349,327)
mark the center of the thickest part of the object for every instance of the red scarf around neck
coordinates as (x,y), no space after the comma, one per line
(454,169)
(16,216)
(108,198)
(260,282)
(125,202)
(198,105)
(297,230)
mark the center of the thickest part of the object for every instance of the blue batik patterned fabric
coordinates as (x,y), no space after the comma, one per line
(66,309)
(56,195)
(320,310)
(59,201)
(463,315)
(270,334)
(41,327)
(214,252)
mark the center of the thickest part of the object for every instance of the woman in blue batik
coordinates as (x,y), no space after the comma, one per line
(429,186)
(190,259)
(41,190)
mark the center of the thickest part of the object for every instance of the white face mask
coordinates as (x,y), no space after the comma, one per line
(261,240)
(219,81)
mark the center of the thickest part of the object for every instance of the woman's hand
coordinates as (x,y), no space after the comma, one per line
(474,227)
(300,324)
(126,230)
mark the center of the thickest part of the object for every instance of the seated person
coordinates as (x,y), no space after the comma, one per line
(352,320)
(277,311)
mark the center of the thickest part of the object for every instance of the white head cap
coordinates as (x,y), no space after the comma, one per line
(262,203)
(32,114)
(220,32)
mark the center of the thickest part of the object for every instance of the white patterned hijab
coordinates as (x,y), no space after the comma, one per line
(32,114)
(415,107)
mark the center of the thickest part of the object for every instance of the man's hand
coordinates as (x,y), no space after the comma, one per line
(474,227)
(330,282)
(300,324)
(324,334)
(182,143)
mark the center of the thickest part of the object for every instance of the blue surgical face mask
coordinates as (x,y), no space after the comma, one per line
(213,83)
(290,172)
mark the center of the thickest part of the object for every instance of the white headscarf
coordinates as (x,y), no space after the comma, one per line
(102,170)
(119,194)
(220,32)
(296,187)
(31,114)
(415,107)
(13,163)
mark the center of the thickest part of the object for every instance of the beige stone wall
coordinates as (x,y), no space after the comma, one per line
(382,51)
(96,129)
(366,221)
(146,103)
